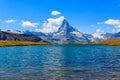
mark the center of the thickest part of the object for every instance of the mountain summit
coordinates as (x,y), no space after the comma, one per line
(65,26)
(68,34)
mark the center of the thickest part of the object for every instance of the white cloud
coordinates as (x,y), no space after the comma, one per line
(29,24)
(10,21)
(55,13)
(115,23)
(51,25)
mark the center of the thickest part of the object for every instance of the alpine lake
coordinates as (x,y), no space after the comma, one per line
(60,62)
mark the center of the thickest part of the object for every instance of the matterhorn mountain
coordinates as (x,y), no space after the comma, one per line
(68,34)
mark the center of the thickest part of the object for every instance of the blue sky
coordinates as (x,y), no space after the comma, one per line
(86,15)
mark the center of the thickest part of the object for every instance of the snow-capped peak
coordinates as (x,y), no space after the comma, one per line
(65,27)
(97,35)
(67,33)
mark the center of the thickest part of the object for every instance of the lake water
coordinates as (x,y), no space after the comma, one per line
(60,62)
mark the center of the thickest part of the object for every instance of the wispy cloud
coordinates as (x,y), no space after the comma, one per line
(51,25)
(10,21)
(29,24)
(55,13)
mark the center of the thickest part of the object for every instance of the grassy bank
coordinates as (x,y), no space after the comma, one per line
(20,43)
(111,42)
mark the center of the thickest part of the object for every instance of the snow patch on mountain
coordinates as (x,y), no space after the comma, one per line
(77,33)
(96,35)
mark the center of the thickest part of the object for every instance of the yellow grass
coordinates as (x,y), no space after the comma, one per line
(20,43)
(111,42)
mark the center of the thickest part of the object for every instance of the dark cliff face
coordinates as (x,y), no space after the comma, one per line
(19,37)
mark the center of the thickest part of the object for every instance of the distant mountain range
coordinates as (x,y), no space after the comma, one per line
(19,37)
(65,34)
